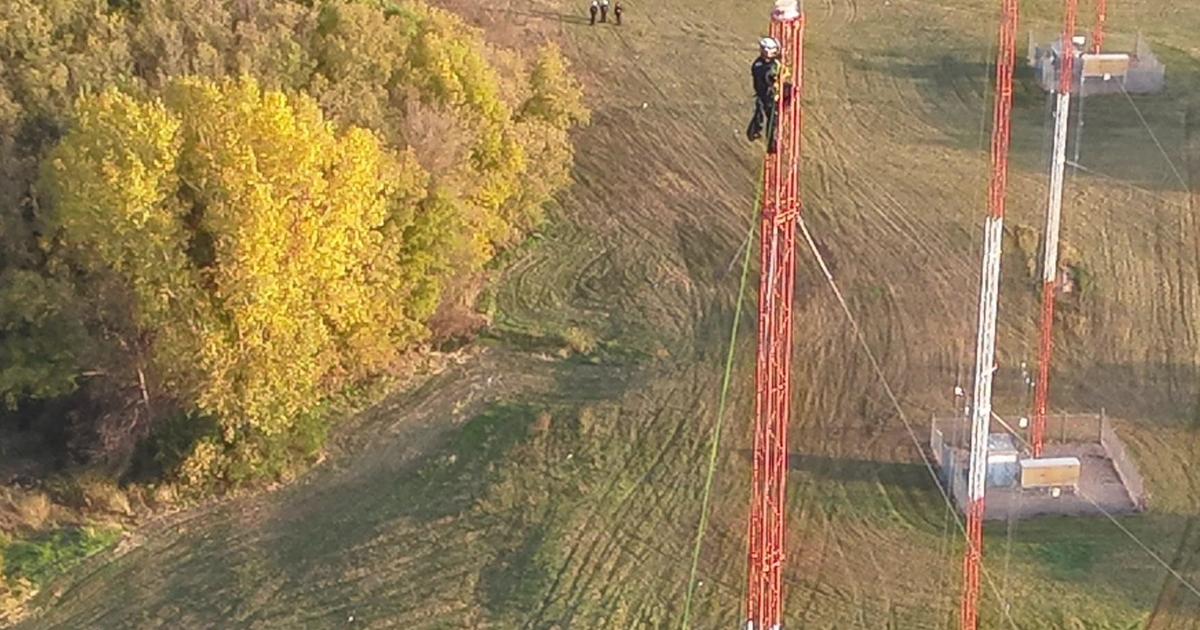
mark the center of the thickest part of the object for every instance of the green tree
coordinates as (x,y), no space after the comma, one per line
(50,50)
(41,337)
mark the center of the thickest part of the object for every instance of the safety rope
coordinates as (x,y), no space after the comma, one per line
(1150,552)
(1153,136)
(1113,179)
(891,394)
(716,434)
(1183,182)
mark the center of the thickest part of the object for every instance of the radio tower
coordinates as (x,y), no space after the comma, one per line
(780,209)
(989,293)
(1062,109)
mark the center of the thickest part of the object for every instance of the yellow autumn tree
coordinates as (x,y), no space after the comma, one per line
(491,127)
(371,64)
(268,256)
(172,261)
(554,106)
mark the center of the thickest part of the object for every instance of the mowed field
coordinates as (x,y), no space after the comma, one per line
(521,488)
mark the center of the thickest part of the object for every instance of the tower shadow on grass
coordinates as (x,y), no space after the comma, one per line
(1115,143)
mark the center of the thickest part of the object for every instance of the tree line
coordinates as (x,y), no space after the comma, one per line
(215,214)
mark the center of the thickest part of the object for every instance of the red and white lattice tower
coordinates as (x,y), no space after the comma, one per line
(989,294)
(780,209)
(1062,109)
(1101,21)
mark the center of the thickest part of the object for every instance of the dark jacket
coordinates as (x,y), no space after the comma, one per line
(766,78)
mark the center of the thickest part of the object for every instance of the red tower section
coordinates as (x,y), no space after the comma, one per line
(1101,21)
(780,209)
(1066,80)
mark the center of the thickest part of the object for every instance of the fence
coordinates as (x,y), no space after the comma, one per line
(949,442)
(1146,74)
(958,483)
(1123,463)
(949,433)
(1077,427)
(955,433)
(937,444)
(952,471)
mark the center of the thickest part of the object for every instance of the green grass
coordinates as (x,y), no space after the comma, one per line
(587,520)
(42,558)
(1067,558)
(516,580)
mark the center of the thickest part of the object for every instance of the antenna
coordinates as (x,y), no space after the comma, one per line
(780,210)
(989,292)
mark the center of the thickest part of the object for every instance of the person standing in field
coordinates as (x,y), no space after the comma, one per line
(617,11)
(593,10)
(603,10)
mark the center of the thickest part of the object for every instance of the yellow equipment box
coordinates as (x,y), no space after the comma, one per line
(1106,65)
(1050,472)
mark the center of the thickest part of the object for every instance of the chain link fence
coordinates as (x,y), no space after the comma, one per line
(1123,462)
(1144,74)
(949,444)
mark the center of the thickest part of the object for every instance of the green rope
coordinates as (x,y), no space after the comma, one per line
(716,435)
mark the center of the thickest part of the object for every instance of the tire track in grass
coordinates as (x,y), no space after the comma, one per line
(607,547)
(593,515)
(631,259)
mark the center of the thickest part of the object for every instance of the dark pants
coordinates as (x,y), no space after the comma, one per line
(765,114)
(593,12)
(617,14)
(603,13)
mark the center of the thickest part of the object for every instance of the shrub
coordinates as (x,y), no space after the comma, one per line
(587,421)
(203,466)
(164,494)
(12,592)
(1085,283)
(542,423)
(31,509)
(39,559)
(1027,243)
(580,340)
(105,496)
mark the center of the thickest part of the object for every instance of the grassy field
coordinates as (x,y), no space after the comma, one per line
(531,487)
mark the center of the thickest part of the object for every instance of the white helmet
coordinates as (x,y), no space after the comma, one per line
(769,46)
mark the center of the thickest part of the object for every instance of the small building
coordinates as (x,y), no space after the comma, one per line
(1050,472)
(1003,469)
(1085,469)
(1137,72)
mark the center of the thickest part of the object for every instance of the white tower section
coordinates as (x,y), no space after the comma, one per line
(985,357)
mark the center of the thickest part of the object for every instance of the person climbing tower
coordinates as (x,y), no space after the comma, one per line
(766,72)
